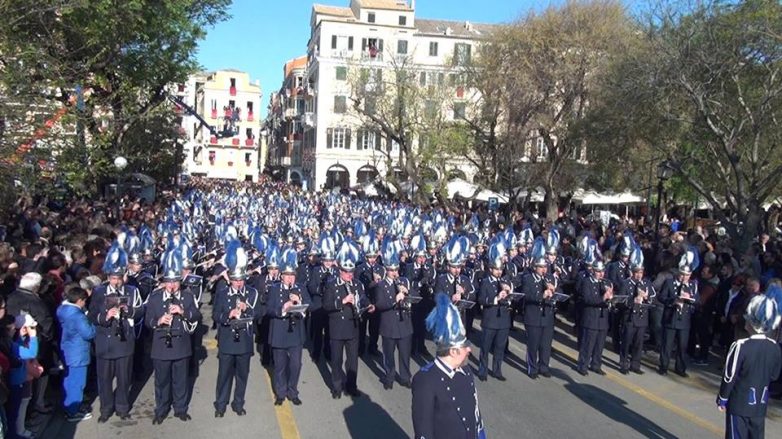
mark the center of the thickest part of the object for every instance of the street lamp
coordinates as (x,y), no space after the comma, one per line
(120,163)
(664,172)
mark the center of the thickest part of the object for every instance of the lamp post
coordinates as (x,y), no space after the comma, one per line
(664,172)
(120,163)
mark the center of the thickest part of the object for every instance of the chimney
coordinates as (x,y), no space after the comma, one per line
(412,4)
(468,26)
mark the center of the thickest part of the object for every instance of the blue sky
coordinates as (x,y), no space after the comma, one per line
(263,34)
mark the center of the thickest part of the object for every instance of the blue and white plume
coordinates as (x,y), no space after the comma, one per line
(445,324)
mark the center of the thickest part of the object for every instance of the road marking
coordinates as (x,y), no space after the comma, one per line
(660,401)
(284,414)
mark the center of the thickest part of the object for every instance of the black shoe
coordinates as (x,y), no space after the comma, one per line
(219,413)
(355,393)
(103,418)
(336,394)
(500,377)
(533,376)
(482,377)
(582,372)
(124,416)
(662,371)
(406,384)
(158,420)
(546,374)
(624,371)
(598,371)
(682,374)
(183,416)
(278,401)
(44,410)
(637,371)
(296,401)
(240,412)
(388,386)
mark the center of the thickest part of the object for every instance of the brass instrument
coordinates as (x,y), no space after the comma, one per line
(405,305)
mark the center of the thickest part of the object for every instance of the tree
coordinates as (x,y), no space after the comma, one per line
(406,108)
(706,88)
(537,79)
(121,55)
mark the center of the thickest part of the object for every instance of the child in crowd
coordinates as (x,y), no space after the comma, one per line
(77,332)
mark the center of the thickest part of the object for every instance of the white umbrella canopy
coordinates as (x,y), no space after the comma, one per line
(465,189)
(592,197)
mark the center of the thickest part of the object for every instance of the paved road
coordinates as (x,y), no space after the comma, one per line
(566,405)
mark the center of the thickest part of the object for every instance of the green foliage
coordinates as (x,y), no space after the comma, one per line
(123,54)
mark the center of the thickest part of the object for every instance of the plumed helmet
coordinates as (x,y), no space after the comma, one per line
(445,324)
(347,256)
(116,260)
(290,261)
(762,314)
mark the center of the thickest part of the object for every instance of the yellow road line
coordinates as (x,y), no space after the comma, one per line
(660,401)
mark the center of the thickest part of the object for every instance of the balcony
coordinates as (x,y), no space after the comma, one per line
(214,113)
(371,55)
(290,113)
(213,140)
(286,161)
(250,116)
(235,141)
(249,142)
(232,90)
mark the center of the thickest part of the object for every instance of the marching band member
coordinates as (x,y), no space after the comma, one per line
(287,332)
(640,294)
(445,400)
(678,297)
(540,309)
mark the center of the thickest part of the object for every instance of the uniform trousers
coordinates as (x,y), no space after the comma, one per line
(493,340)
(231,368)
(344,379)
(112,399)
(319,327)
(403,346)
(590,353)
(632,346)
(171,379)
(674,339)
(539,340)
(287,369)
(744,427)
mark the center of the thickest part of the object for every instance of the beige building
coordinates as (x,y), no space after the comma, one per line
(228,101)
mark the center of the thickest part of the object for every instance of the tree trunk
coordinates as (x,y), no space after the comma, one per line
(551,201)
(752,224)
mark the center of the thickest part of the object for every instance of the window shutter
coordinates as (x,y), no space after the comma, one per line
(329,137)
(360,139)
(347,138)
(363,44)
(422,79)
(333,41)
(350,43)
(378,138)
(379,45)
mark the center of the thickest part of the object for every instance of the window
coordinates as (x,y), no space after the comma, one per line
(299,106)
(233,82)
(433,48)
(249,106)
(402,20)
(422,79)
(371,17)
(249,133)
(333,41)
(401,47)
(462,54)
(392,146)
(458,110)
(542,150)
(372,46)
(338,138)
(248,158)
(350,43)
(370,104)
(340,104)
(368,139)
(430,109)
(212,157)
(342,73)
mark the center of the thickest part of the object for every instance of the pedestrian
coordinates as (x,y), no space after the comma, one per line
(752,364)
(77,333)
(24,349)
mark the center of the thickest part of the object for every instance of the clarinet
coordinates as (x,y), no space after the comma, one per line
(404,305)
(679,294)
(237,335)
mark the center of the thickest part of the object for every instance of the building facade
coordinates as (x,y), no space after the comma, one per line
(373,35)
(228,101)
(285,123)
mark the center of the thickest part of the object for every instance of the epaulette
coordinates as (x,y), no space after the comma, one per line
(427,367)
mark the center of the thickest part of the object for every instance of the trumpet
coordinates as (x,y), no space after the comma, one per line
(295,298)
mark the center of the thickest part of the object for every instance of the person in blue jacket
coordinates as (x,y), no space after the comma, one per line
(77,332)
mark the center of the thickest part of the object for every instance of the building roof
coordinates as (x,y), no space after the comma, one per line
(395,5)
(335,11)
(294,64)
(464,29)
